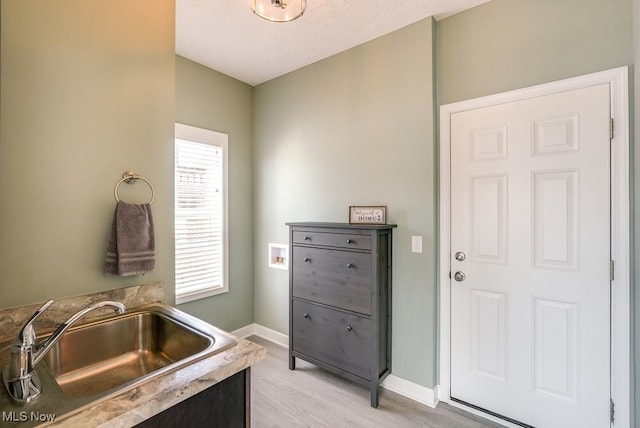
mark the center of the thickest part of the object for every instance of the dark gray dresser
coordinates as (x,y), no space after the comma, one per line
(340,299)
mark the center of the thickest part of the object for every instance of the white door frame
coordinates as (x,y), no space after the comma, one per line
(620,227)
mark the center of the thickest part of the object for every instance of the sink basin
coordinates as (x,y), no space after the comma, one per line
(124,350)
(110,357)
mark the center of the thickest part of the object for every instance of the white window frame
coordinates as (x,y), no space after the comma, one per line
(218,139)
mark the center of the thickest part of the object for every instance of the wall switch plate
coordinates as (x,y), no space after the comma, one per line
(416,244)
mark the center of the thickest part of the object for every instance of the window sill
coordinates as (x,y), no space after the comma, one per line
(200,294)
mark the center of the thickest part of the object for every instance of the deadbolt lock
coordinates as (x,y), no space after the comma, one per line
(460,256)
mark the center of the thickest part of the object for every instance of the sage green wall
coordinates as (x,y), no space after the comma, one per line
(87,92)
(211,100)
(356,128)
(505,44)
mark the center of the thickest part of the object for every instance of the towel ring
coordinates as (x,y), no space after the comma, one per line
(131,177)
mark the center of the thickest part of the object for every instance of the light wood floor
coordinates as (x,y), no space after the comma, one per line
(311,397)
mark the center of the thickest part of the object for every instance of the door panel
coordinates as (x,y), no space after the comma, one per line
(555,219)
(530,209)
(555,348)
(488,218)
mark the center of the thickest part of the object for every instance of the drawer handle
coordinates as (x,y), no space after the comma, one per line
(307,238)
(349,328)
(307,260)
(305,316)
(350,266)
(350,241)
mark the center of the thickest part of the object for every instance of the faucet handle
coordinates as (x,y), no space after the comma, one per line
(27,335)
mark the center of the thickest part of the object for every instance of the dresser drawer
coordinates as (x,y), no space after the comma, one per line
(333,277)
(336,338)
(340,240)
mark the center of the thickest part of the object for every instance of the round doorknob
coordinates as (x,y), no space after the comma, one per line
(459,276)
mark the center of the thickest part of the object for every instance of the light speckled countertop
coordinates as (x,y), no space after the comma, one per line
(152,397)
(131,406)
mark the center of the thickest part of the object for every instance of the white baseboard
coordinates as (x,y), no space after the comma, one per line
(413,391)
(419,393)
(264,332)
(245,331)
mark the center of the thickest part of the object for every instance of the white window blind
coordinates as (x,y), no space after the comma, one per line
(200,213)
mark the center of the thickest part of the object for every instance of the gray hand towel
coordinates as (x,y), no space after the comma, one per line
(131,248)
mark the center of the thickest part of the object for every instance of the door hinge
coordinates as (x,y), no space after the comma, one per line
(612,410)
(612,267)
(611,129)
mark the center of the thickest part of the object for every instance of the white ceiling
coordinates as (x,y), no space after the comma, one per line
(226,36)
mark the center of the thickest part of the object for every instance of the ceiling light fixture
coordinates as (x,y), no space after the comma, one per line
(279,10)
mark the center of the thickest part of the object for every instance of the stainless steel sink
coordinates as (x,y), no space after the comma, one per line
(94,361)
(101,356)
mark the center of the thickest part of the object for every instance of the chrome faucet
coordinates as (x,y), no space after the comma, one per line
(19,377)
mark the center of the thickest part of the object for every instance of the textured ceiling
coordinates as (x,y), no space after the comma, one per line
(226,36)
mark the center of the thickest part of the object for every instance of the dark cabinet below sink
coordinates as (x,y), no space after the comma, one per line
(225,404)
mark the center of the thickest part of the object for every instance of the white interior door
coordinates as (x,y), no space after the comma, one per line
(530,225)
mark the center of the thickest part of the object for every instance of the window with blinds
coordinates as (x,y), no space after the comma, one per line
(200,213)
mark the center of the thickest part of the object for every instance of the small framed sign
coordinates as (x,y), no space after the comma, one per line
(367,215)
